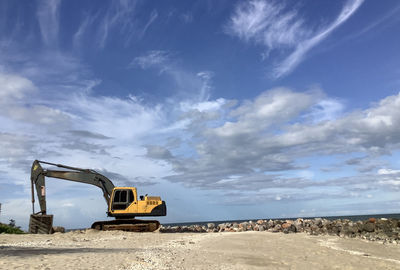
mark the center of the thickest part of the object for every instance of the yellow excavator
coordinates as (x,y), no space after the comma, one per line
(123,203)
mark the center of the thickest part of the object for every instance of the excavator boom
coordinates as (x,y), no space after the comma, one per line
(86,176)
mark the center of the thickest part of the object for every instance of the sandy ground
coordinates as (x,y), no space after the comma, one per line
(245,250)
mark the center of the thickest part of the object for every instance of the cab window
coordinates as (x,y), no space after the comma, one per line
(122,199)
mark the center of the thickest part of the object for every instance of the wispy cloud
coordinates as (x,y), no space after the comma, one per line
(152,59)
(272,25)
(83,28)
(195,87)
(121,14)
(303,47)
(152,18)
(376,27)
(48,16)
(187,17)
(266,23)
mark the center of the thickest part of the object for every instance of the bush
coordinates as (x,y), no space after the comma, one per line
(11,228)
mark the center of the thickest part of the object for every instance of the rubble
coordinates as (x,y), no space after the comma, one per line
(385,230)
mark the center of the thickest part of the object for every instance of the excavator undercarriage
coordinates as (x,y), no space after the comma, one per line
(43,224)
(130,225)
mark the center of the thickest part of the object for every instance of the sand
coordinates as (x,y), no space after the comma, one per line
(242,250)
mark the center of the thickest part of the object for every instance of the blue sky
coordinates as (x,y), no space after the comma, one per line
(226,109)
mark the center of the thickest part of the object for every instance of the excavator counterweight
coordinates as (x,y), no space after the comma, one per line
(122,202)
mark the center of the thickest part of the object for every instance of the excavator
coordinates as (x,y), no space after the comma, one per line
(123,203)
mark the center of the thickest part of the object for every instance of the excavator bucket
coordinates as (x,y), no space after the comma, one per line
(42,224)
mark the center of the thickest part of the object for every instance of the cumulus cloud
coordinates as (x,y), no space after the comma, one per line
(213,144)
(158,152)
(79,123)
(272,107)
(88,134)
(255,144)
(326,109)
(388,171)
(14,87)
(276,27)
(223,145)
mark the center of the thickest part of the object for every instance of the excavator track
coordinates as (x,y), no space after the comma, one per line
(130,225)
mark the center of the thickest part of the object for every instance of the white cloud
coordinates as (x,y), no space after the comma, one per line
(82,30)
(272,25)
(204,106)
(190,87)
(326,109)
(114,117)
(120,14)
(77,129)
(48,15)
(272,107)
(152,18)
(267,23)
(152,59)
(219,140)
(17,209)
(14,87)
(250,145)
(388,171)
(268,134)
(72,125)
(291,62)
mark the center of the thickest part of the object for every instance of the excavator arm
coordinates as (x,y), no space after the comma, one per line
(86,176)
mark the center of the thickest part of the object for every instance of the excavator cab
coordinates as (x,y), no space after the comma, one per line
(124,203)
(122,199)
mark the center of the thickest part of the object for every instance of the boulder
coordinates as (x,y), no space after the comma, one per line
(277,221)
(58,229)
(277,228)
(372,220)
(298,224)
(314,229)
(335,229)
(318,222)
(369,227)
(210,226)
(288,228)
(326,222)
(260,222)
(270,223)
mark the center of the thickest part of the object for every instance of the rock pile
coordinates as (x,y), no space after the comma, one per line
(387,230)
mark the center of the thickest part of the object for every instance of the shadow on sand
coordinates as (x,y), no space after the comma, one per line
(33,251)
